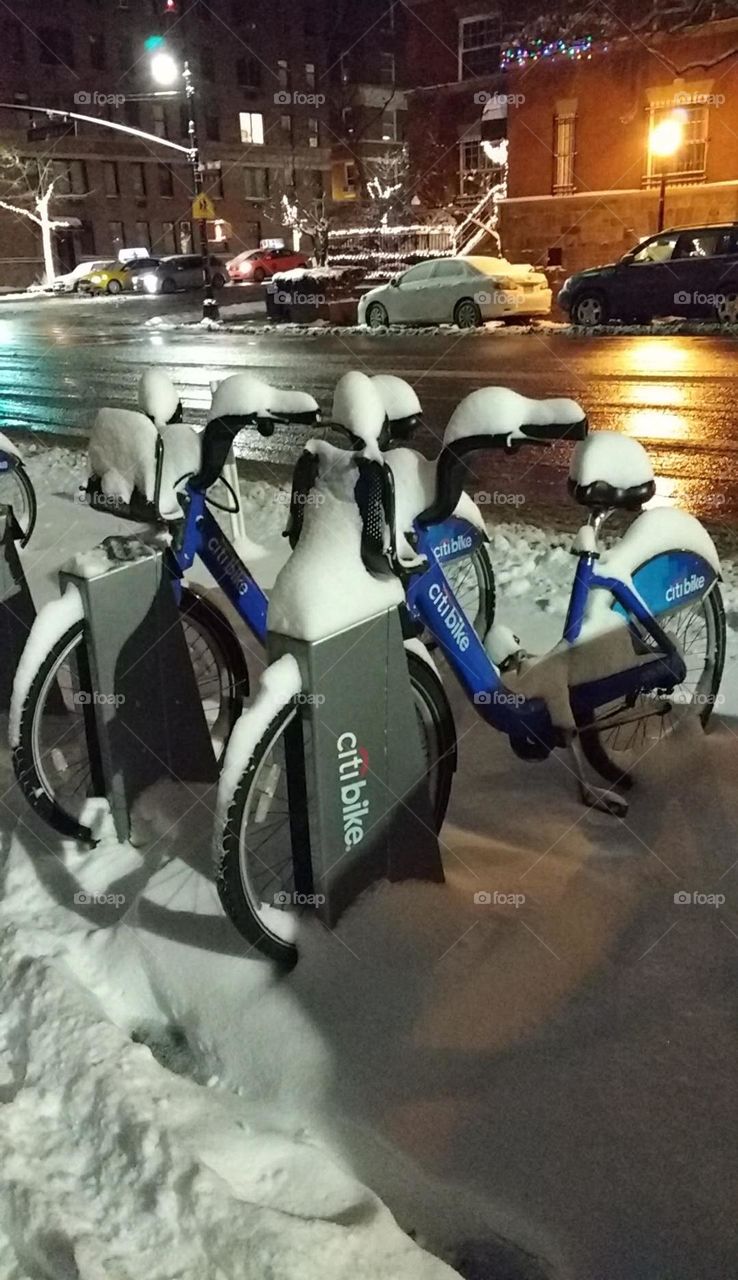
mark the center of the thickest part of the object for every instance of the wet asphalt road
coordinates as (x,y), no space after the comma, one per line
(60,359)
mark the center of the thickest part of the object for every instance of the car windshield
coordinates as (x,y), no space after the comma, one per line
(655,250)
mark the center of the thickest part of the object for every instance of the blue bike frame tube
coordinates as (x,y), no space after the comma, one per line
(578,600)
(450,540)
(431,597)
(203,537)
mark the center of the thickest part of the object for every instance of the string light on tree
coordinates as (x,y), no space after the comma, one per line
(521,55)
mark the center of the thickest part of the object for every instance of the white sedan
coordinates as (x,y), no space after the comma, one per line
(461,291)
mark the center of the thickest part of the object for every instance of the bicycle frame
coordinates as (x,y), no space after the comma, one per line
(527,720)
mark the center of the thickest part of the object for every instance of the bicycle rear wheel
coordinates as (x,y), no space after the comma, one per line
(616,737)
(17,491)
(255,867)
(57,761)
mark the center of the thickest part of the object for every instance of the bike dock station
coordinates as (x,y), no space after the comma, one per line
(359,800)
(17,611)
(143,705)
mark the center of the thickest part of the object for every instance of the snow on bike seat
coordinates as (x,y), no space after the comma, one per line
(246,396)
(123,462)
(373,410)
(492,416)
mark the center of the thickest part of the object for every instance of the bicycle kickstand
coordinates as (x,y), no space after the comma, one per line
(602,798)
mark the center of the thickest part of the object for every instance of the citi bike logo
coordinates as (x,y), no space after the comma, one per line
(353,766)
(450,615)
(230,566)
(452,546)
(687,587)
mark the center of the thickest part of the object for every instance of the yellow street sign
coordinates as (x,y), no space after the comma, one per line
(202,207)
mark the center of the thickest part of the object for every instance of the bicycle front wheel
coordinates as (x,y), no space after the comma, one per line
(57,760)
(255,868)
(473,583)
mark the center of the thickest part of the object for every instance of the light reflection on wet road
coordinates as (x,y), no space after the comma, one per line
(59,361)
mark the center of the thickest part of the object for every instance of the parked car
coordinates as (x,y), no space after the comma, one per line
(68,282)
(256,265)
(179,271)
(687,271)
(462,291)
(115,277)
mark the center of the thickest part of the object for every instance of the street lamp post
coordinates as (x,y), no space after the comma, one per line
(165,71)
(665,140)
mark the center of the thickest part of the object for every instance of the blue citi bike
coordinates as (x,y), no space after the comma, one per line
(643,642)
(55,753)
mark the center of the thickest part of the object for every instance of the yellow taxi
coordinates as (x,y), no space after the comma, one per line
(114,277)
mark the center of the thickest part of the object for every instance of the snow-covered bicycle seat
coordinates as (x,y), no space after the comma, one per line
(159,399)
(375,410)
(497,416)
(244,400)
(609,470)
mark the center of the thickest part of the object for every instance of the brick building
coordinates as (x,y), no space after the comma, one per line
(583,182)
(263,121)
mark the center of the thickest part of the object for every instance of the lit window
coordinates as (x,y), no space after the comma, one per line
(479,45)
(313,132)
(252,127)
(689,162)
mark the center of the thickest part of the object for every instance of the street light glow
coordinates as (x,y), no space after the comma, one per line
(667,136)
(164,69)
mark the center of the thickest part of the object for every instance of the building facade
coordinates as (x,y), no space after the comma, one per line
(584,179)
(260,69)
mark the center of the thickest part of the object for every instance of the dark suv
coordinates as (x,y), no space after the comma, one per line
(688,271)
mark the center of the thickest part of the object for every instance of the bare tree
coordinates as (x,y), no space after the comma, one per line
(309,216)
(28,186)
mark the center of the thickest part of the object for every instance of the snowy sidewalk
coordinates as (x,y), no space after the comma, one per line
(553,1069)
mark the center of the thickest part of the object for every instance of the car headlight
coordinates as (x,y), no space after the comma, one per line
(96,279)
(150,282)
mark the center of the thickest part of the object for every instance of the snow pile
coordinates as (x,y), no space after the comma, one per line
(398,397)
(298,275)
(50,624)
(122,454)
(157,397)
(324,587)
(7,446)
(499,411)
(244,394)
(359,408)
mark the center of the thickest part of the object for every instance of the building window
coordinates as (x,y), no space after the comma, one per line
(185,237)
(477,170)
(159,120)
(12,37)
(564,152)
(110,178)
(117,236)
(56,47)
(143,235)
(689,163)
(248,73)
(97,52)
(251,124)
(479,45)
(388,126)
(166,181)
(313,131)
(386,68)
(285,124)
(256,184)
(283,74)
(78,184)
(138,181)
(215,184)
(310,75)
(167,241)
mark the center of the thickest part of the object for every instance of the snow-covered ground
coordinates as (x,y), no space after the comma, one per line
(538,1089)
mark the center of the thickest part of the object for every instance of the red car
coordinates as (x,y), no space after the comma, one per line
(259,264)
